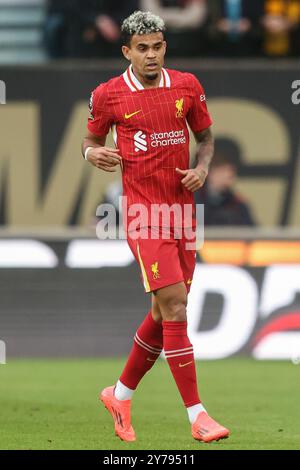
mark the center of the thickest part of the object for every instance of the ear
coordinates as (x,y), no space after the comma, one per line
(126,52)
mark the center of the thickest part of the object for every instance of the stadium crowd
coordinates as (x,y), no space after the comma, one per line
(91,28)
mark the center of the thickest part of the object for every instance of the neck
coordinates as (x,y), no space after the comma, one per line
(147,83)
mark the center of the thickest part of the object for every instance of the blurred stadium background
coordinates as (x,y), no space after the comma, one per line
(63,291)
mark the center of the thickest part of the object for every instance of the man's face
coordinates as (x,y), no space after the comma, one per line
(146,53)
(221,178)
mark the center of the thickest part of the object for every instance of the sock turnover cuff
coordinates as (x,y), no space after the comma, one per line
(174,328)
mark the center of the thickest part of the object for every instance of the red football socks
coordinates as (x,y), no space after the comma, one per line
(180,356)
(147,346)
(148,343)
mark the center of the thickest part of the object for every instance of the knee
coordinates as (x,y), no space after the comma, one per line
(175,310)
(155,311)
(156,315)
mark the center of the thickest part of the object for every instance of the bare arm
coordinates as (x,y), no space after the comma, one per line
(104,158)
(205,150)
(192,16)
(195,178)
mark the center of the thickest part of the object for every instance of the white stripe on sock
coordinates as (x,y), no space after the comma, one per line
(181,354)
(171,351)
(148,345)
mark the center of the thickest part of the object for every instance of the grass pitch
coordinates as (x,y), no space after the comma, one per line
(52,404)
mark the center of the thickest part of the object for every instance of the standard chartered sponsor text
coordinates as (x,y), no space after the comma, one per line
(163,139)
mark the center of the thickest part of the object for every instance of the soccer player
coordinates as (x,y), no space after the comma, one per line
(148,108)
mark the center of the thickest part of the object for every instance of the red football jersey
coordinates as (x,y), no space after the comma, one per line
(150,128)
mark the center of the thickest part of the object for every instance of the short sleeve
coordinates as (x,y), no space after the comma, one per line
(100,119)
(198,116)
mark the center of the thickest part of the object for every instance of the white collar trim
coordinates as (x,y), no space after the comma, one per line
(134,85)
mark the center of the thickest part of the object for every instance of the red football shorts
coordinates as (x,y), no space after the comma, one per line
(163,261)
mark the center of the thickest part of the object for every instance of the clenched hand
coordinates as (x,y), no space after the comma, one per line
(105,158)
(193,179)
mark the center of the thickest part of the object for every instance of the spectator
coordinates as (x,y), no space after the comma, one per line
(281,23)
(107,23)
(68,23)
(113,195)
(185,20)
(222,206)
(236,28)
(85,28)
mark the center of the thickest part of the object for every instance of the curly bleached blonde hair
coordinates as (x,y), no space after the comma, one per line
(141,22)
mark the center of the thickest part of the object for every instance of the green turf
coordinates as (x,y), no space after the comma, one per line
(52,404)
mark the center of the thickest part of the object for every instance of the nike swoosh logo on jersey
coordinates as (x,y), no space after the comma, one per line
(150,360)
(128,116)
(183,365)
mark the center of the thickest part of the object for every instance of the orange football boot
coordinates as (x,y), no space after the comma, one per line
(120,411)
(207,429)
